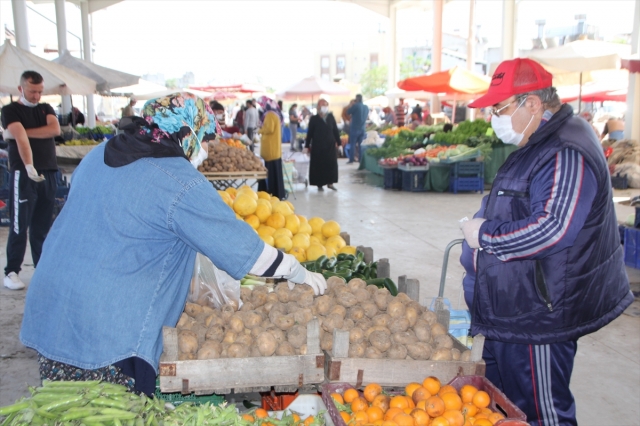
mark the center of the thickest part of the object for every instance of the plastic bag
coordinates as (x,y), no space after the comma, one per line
(213,287)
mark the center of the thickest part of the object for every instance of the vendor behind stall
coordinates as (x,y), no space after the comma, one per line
(117,264)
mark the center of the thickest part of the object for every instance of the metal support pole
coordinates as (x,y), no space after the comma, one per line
(86,47)
(471,49)
(632,117)
(509,13)
(393,50)
(61,27)
(19,8)
(436,48)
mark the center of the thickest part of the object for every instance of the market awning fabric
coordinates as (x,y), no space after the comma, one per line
(58,79)
(233,88)
(453,81)
(313,87)
(631,64)
(582,55)
(105,78)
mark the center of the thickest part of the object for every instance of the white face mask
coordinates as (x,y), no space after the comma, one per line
(503,127)
(324,109)
(219,116)
(25,102)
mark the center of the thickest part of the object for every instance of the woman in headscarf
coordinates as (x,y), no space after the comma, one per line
(117,264)
(323,139)
(271,148)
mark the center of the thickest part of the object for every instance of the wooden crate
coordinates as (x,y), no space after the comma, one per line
(256,374)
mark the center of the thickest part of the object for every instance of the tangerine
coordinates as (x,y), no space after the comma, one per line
(495,417)
(309,420)
(371,391)
(411,387)
(391,413)
(482,422)
(350,394)
(381,401)
(296,417)
(486,411)
(360,417)
(469,410)
(439,421)
(432,384)
(359,404)
(337,397)
(404,419)
(248,417)
(420,417)
(261,413)
(408,410)
(422,405)
(420,394)
(375,413)
(454,417)
(345,416)
(451,401)
(481,399)
(399,401)
(388,423)
(435,406)
(447,389)
(467,392)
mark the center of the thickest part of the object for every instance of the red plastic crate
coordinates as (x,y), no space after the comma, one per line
(499,402)
(277,401)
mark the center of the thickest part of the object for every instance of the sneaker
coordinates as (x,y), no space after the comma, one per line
(13,281)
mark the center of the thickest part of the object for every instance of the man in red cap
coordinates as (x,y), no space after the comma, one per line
(548,263)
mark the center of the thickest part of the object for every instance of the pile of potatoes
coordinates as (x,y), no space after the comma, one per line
(225,158)
(275,323)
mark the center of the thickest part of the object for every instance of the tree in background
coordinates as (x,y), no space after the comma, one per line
(413,66)
(172,83)
(374,81)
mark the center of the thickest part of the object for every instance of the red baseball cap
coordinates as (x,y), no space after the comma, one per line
(512,77)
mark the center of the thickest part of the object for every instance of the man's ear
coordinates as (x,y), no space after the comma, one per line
(534,104)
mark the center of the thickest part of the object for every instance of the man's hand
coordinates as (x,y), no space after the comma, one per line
(33,174)
(470,230)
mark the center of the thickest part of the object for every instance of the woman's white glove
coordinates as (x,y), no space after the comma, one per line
(33,174)
(471,231)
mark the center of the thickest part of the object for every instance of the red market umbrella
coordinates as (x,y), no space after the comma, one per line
(453,81)
(221,96)
(232,88)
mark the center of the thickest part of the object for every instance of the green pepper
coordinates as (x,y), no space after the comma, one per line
(360,256)
(344,264)
(341,256)
(391,286)
(320,261)
(330,263)
(355,265)
(366,273)
(358,275)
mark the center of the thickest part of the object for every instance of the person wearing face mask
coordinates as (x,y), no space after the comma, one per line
(30,129)
(548,265)
(294,122)
(118,264)
(218,112)
(323,140)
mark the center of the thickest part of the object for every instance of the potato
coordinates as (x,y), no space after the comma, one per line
(266,308)
(227,312)
(362,295)
(373,353)
(364,324)
(419,351)
(184,320)
(297,336)
(418,307)
(257,330)
(380,340)
(245,294)
(182,356)
(284,322)
(305,300)
(252,320)
(245,339)
(442,354)
(299,290)
(302,350)
(383,320)
(346,299)
(397,352)
(188,342)
(404,337)
(430,317)
(236,324)
(209,350)
(266,343)
(282,292)
(215,333)
(200,330)
(411,314)
(272,298)
(340,310)
(277,310)
(323,304)
(382,298)
(303,316)
(404,298)
(355,313)
(423,332)
(455,354)
(331,322)
(355,284)
(285,349)
(372,289)
(348,324)
(213,320)
(326,343)
(437,329)
(465,356)
(356,335)
(236,350)
(443,341)
(192,309)
(254,351)
(395,308)
(206,312)
(370,309)
(333,283)
(259,296)
(229,337)
(357,350)
(370,330)
(398,325)
(277,334)
(292,307)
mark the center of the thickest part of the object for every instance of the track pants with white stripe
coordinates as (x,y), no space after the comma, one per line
(535,378)
(31,206)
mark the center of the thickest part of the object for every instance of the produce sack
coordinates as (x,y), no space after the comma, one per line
(213,287)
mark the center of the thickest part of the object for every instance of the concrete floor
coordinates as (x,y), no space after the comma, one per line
(412,231)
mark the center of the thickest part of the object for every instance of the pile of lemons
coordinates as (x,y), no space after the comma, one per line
(277,225)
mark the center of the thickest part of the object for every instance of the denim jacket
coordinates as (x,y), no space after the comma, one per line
(117,263)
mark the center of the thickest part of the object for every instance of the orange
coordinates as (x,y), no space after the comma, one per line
(422,405)
(481,399)
(482,422)
(359,404)
(447,389)
(451,401)
(435,406)
(467,392)
(378,422)
(495,417)
(382,402)
(404,420)
(371,391)
(420,394)
(482,416)
(360,417)
(411,387)
(412,404)
(432,384)
(486,411)
(389,423)
(408,410)
(468,422)
(309,420)
(391,413)
(454,417)
(439,421)
(420,417)
(375,413)
(337,398)
(350,395)
(296,418)
(261,413)
(345,416)
(399,401)
(469,410)
(248,417)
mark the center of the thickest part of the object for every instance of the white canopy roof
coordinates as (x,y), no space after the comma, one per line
(105,78)
(312,87)
(582,55)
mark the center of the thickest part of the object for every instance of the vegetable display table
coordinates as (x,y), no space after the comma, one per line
(224,180)
(73,152)
(369,162)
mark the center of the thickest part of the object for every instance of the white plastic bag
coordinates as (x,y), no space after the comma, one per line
(213,287)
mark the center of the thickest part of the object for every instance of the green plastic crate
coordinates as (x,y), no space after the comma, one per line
(177,398)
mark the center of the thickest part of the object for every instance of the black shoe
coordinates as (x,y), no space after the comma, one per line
(332,187)
(320,189)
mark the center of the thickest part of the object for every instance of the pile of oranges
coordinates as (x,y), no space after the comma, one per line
(424,404)
(261,416)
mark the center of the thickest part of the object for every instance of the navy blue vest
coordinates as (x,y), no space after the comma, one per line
(567,294)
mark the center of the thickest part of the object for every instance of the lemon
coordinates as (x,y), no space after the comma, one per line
(331,251)
(315,240)
(265,230)
(316,224)
(282,207)
(244,205)
(303,219)
(292,223)
(263,211)
(274,198)
(318,235)
(264,195)
(305,228)
(298,253)
(290,205)
(226,198)
(231,191)
(336,242)
(245,187)
(253,221)
(283,242)
(330,228)
(282,232)
(301,240)
(275,220)
(239,217)
(248,192)
(268,239)
(315,251)
(348,250)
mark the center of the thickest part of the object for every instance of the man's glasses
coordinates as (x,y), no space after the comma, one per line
(497,111)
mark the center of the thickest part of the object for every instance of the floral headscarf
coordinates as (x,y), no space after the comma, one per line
(269,104)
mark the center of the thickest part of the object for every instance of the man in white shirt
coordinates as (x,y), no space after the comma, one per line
(250,121)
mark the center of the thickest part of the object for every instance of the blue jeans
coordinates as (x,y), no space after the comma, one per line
(356,136)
